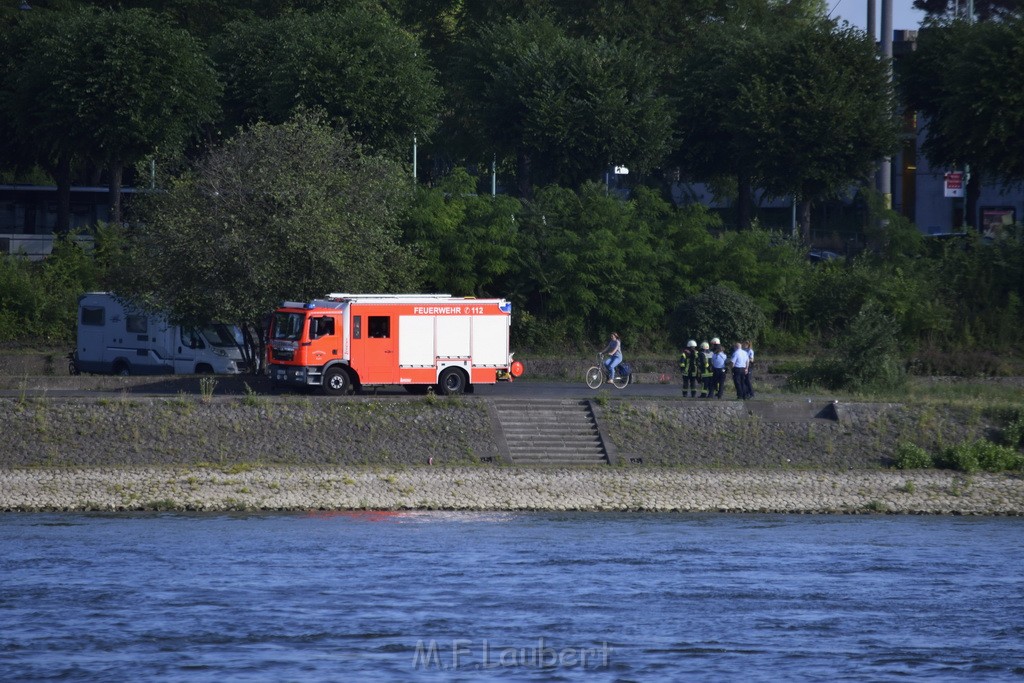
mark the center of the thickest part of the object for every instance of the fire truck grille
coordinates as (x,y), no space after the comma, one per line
(282,354)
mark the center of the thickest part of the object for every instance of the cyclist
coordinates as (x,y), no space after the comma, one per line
(614,353)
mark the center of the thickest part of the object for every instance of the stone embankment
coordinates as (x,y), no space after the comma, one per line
(479,488)
(295,452)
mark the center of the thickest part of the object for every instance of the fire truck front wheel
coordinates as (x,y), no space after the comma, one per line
(452,381)
(337,382)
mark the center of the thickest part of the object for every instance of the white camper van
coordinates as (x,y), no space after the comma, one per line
(119,340)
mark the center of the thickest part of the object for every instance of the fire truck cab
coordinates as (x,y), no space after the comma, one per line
(348,341)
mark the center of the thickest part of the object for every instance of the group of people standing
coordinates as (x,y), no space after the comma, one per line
(708,365)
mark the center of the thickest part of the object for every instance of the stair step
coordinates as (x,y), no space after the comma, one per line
(551,432)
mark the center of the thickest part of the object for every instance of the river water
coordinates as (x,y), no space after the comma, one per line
(534,597)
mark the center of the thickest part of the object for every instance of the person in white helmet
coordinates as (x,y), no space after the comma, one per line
(706,372)
(688,366)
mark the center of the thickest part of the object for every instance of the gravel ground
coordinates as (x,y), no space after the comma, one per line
(480,488)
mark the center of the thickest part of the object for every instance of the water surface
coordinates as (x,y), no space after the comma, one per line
(537,596)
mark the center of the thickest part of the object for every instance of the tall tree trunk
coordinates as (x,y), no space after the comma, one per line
(62,175)
(744,202)
(971,196)
(116,172)
(523,174)
(804,212)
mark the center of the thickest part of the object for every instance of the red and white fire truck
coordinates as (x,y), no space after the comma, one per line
(346,341)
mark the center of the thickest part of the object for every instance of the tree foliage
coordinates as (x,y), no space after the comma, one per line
(467,242)
(796,106)
(290,211)
(110,87)
(355,64)
(563,108)
(984,10)
(965,80)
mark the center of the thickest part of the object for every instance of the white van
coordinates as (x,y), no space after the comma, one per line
(123,341)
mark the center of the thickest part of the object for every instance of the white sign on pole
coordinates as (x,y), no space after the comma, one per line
(954,184)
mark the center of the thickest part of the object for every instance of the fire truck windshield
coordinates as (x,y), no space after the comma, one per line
(288,326)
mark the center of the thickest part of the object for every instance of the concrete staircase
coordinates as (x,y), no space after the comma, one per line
(551,432)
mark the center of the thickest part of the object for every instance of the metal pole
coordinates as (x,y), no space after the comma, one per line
(793,231)
(494,175)
(967,167)
(885,172)
(870,27)
(414,158)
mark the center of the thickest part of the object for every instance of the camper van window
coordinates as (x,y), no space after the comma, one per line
(219,335)
(92,315)
(136,324)
(288,326)
(380,326)
(191,339)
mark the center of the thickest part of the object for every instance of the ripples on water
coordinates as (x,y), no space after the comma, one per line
(540,596)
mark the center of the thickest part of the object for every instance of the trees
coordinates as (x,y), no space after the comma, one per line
(562,108)
(289,211)
(964,79)
(111,87)
(354,64)
(797,107)
(467,242)
(984,9)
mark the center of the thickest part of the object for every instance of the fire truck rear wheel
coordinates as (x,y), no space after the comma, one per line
(452,381)
(337,382)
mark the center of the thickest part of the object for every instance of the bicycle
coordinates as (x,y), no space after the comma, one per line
(596,375)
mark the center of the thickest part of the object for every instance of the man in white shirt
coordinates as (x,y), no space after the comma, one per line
(739,361)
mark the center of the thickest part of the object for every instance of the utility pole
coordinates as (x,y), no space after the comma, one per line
(967,167)
(885,172)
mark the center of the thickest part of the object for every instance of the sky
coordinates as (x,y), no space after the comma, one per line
(904,16)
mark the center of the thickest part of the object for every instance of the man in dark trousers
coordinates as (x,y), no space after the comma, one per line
(688,366)
(739,361)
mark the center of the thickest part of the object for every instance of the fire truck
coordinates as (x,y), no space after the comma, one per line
(348,341)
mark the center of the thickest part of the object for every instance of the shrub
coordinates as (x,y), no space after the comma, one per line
(1014,433)
(962,458)
(982,455)
(868,358)
(718,311)
(910,456)
(995,458)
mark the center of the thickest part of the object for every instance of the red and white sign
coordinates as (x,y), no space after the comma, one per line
(954,184)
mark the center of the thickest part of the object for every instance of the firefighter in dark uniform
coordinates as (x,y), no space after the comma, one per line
(703,356)
(688,368)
